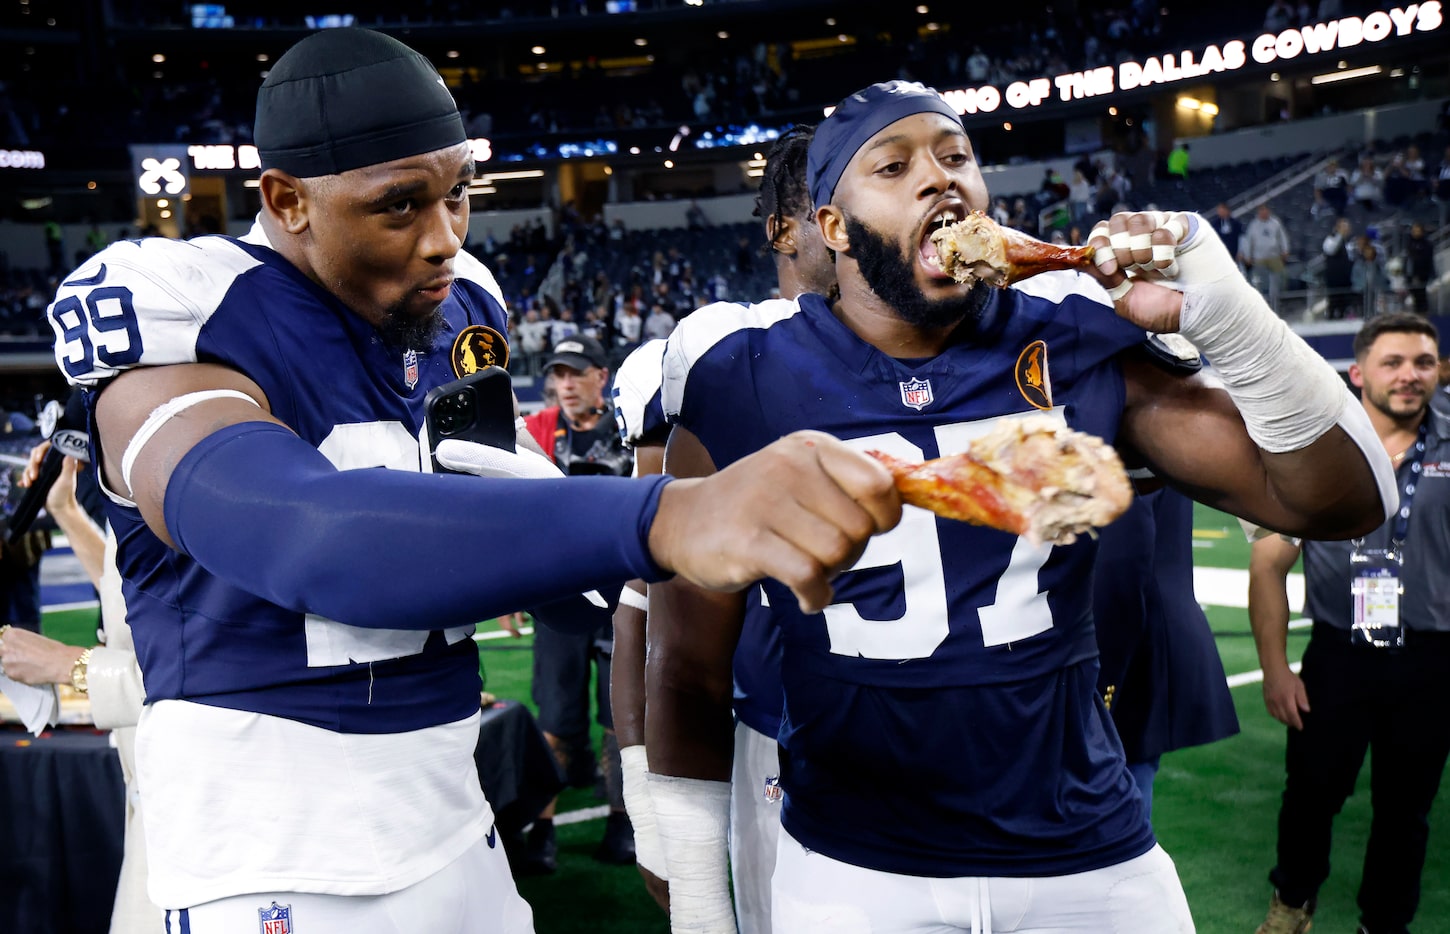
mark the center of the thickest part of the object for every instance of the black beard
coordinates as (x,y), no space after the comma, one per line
(409,332)
(890,276)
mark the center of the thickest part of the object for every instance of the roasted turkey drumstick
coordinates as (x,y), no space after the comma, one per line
(1031,476)
(978,247)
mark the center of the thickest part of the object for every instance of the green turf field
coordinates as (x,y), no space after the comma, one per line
(1215,806)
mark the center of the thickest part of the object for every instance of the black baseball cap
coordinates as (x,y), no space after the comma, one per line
(579,352)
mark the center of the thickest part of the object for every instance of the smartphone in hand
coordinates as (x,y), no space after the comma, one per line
(478,408)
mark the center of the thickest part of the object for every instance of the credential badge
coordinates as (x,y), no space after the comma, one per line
(410,368)
(916,393)
(277,919)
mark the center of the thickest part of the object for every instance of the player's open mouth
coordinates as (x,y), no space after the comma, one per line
(947,214)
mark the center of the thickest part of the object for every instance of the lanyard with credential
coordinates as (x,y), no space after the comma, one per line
(1375,573)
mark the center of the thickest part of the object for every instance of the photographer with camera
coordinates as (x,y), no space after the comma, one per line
(581,437)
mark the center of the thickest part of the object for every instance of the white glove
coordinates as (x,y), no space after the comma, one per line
(481,460)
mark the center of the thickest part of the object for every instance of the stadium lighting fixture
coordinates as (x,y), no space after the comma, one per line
(641,42)
(537,50)
(162,203)
(669,163)
(1007,127)
(165,214)
(263,57)
(830,21)
(1209,108)
(453,53)
(923,10)
(158,58)
(1333,76)
(1190,103)
(722,34)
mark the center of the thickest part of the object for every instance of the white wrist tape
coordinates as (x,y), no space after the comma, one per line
(164,413)
(1288,394)
(648,852)
(693,818)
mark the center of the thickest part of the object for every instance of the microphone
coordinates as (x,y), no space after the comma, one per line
(69,437)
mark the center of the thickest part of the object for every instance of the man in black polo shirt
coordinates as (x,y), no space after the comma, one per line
(1376,672)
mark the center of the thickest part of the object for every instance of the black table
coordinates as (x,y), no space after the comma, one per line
(62,815)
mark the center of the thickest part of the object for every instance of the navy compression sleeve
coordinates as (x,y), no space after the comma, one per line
(265,511)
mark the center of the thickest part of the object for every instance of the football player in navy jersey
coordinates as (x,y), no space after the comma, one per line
(946,761)
(302,623)
(801,265)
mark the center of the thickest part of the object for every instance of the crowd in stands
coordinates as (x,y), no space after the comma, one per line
(726,81)
(619,287)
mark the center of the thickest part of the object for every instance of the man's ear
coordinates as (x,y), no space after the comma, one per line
(284,198)
(1356,376)
(780,233)
(832,222)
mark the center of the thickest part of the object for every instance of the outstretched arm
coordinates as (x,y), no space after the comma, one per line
(236,489)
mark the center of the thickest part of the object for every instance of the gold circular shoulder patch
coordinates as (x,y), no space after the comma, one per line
(1032,377)
(476,347)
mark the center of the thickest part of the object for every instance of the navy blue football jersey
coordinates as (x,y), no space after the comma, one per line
(941,717)
(329,377)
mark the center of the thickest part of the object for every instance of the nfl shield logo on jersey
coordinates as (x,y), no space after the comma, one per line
(410,368)
(276,919)
(773,792)
(916,393)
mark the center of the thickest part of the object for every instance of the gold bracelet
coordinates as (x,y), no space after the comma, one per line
(79,672)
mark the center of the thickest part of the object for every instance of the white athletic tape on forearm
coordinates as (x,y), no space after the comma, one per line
(164,413)
(1288,394)
(637,802)
(693,818)
(630,597)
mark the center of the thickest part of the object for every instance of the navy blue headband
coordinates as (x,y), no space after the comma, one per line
(858,118)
